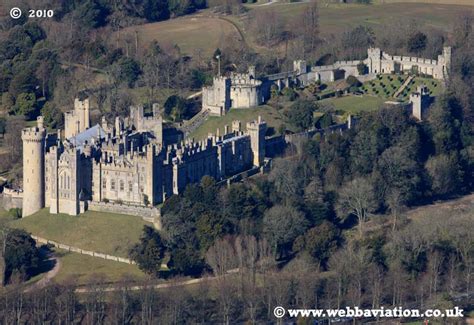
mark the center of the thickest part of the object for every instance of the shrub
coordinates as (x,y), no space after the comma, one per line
(290,93)
(15,213)
(353,81)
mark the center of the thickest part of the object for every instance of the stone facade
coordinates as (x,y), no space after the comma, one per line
(239,90)
(77,120)
(381,62)
(128,163)
(33,167)
(420,102)
(377,61)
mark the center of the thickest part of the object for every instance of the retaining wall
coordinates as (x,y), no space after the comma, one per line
(82,251)
(149,214)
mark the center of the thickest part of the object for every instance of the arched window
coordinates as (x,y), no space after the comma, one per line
(68,183)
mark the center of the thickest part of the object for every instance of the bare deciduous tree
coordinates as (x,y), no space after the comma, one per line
(357,197)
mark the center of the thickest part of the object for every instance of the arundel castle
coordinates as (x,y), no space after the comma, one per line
(128,162)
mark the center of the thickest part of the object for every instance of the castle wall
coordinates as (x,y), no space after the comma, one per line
(234,155)
(149,214)
(190,168)
(381,62)
(10,199)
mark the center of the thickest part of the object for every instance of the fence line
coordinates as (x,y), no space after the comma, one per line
(83,251)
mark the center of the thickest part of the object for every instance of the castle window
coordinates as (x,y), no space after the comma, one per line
(112,185)
(68,183)
(104,184)
(122,186)
(130,187)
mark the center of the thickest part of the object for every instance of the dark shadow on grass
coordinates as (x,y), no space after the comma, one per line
(46,261)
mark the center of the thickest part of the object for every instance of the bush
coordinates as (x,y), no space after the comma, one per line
(362,68)
(290,93)
(15,213)
(353,81)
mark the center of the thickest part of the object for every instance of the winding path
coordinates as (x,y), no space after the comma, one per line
(46,279)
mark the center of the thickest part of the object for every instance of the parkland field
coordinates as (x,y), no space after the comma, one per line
(203,32)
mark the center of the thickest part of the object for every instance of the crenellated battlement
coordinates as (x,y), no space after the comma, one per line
(33,134)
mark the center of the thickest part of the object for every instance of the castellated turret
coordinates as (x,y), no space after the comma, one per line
(33,168)
(256,130)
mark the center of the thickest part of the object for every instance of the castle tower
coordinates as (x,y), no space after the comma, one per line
(83,112)
(257,130)
(33,168)
(447,61)
(374,60)
(420,102)
(216,98)
(251,71)
(300,66)
(236,126)
(77,120)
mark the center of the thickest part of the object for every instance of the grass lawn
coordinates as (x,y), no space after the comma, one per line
(271,115)
(191,33)
(335,18)
(449,2)
(83,268)
(434,87)
(354,104)
(387,85)
(108,233)
(201,33)
(384,86)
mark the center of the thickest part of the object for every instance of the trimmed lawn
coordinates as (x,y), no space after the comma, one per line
(434,87)
(107,233)
(269,114)
(384,86)
(354,104)
(84,269)
(387,85)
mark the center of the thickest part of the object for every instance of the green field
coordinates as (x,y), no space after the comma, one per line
(201,33)
(271,115)
(193,34)
(107,233)
(354,104)
(339,17)
(83,269)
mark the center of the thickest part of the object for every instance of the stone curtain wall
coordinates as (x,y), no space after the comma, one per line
(8,202)
(149,214)
(82,251)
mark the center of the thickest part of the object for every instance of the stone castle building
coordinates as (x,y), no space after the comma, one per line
(244,90)
(127,162)
(239,90)
(379,62)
